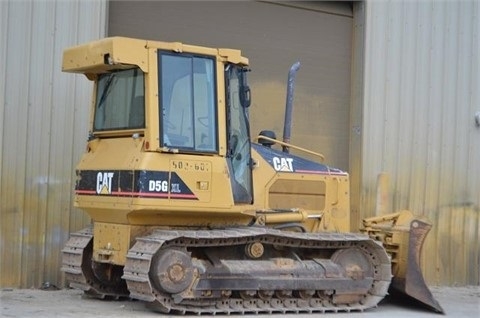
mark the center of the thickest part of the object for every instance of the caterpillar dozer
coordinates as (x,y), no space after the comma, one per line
(191,215)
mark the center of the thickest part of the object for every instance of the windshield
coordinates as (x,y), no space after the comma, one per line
(120,101)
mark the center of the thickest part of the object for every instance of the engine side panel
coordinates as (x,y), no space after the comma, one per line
(285,181)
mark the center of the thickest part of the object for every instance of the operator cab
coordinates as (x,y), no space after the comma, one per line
(187,109)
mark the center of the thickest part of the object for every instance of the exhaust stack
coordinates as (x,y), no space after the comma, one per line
(287,126)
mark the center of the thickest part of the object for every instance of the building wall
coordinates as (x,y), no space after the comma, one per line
(421,93)
(43,119)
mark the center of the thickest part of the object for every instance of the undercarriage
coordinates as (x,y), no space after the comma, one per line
(238,270)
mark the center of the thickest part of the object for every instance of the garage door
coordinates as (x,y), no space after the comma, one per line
(273,36)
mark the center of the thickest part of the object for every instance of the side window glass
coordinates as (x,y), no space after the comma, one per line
(188,112)
(120,101)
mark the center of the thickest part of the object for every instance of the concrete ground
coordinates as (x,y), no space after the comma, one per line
(457,302)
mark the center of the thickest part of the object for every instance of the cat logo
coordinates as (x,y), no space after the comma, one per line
(104,182)
(283,164)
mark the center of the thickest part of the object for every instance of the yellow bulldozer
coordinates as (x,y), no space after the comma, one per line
(192,215)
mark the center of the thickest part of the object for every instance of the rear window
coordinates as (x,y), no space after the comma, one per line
(120,101)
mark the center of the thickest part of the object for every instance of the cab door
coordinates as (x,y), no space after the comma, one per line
(239,150)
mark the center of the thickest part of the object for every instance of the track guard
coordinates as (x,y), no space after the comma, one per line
(403,236)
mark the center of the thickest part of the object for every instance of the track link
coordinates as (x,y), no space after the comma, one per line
(77,265)
(138,272)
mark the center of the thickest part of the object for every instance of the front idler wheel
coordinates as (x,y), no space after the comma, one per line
(354,262)
(172,271)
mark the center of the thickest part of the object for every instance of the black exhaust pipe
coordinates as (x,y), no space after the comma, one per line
(287,125)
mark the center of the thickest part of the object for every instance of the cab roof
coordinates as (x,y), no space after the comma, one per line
(121,52)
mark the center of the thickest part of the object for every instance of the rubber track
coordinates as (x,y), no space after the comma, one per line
(139,258)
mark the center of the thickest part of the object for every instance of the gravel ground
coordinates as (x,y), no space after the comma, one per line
(456,301)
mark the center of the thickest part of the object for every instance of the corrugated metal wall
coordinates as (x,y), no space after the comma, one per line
(422,90)
(43,118)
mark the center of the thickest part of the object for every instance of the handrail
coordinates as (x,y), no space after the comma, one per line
(281,143)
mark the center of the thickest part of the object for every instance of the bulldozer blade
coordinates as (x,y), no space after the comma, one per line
(409,279)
